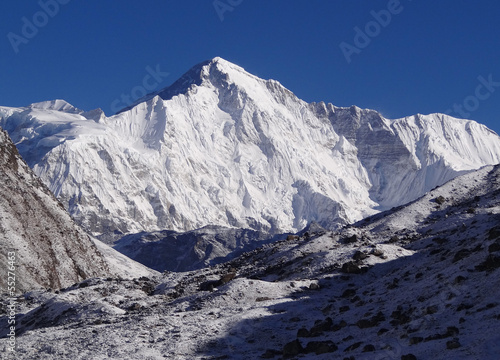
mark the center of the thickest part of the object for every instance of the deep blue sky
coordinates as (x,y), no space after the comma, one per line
(427,58)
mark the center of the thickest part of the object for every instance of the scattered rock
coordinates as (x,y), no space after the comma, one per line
(408,357)
(321,347)
(351,239)
(351,268)
(400,316)
(393,239)
(451,331)
(368,348)
(303,332)
(492,262)
(227,278)
(461,254)
(134,307)
(382,331)
(148,288)
(453,344)
(313,286)
(353,346)
(440,200)
(377,252)
(494,247)
(262,298)
(292,348)
(210,285)
(373,321)
(270,353)
(359,255)
(394,284)
(416,340)
(464,306)
(342,324)
(431,309)
(320,326)
(440,240)
(494,233)
(349,293)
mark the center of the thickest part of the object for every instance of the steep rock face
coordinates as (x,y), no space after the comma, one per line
(409,156)
(223,147)
(50,250)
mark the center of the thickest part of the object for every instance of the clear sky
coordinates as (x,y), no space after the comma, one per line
(398,57)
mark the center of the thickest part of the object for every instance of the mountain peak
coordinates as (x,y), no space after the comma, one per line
(194,76)
(58,104)
(223,147)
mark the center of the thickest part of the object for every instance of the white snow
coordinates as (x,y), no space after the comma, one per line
(238,151)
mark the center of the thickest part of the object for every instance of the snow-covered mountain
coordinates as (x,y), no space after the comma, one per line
(41,245)
(223,147)
(418,282)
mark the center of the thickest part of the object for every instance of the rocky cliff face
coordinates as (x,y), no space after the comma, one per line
(223,147)
(50,250)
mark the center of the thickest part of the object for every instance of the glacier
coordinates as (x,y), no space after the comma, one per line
(223,147)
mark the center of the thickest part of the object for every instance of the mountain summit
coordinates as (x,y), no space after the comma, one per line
(223,147)
(194,77)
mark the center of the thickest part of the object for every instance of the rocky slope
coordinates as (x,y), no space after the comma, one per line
(417,282)
(183,251)
(50,250)
(223,147)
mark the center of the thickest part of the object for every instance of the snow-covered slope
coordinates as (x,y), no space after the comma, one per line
(418,282)
(48,249)
(223,147)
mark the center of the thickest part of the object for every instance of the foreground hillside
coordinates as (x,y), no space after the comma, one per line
(38,239)
(222,147)
(417,282)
